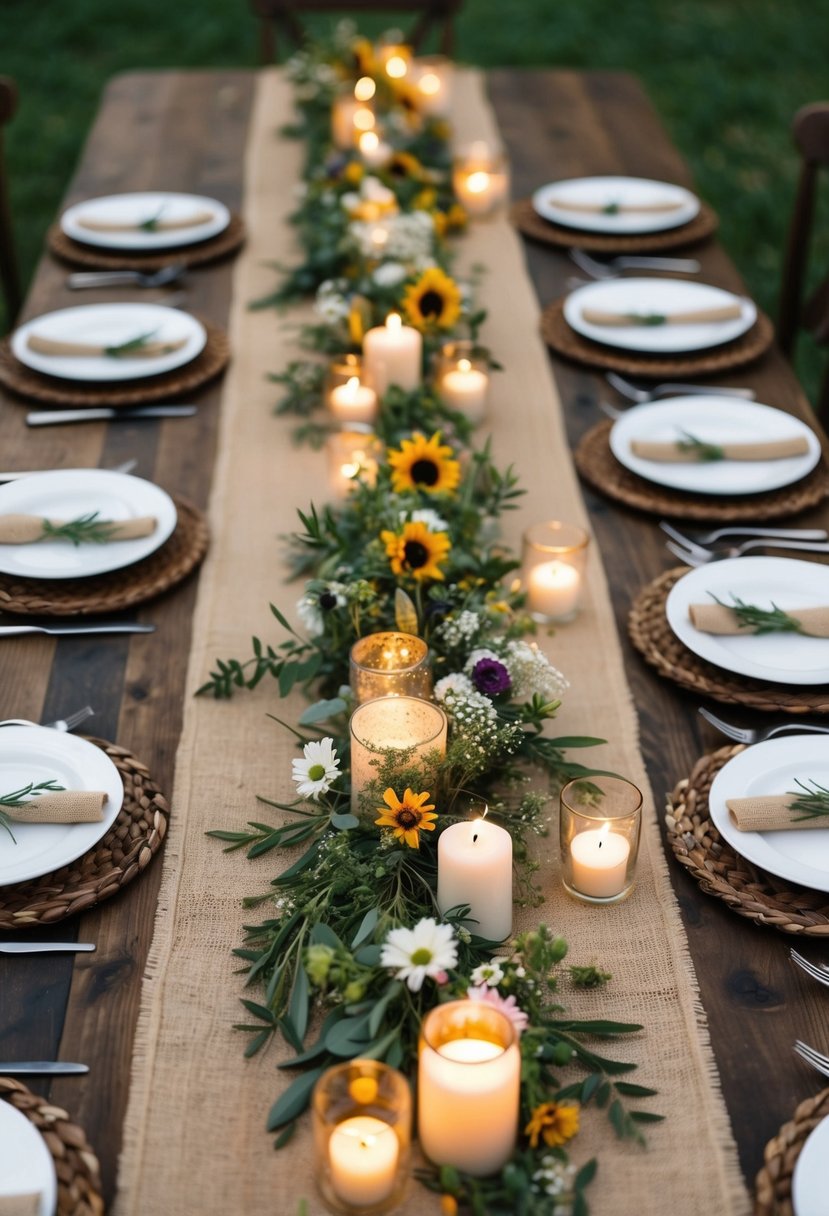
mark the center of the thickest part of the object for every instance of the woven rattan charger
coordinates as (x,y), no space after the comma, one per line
(773,1186)
(117,589)
(600,468)
(198,254)
(661,648)
(720,871)
(76,1166)
(120,856)
(527,220)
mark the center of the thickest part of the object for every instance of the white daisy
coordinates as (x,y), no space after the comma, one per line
(317,772)
(428,949)
(488,973)
(425,515)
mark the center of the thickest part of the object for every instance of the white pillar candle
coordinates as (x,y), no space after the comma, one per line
(362,1155)
(353,402)
(599,862)
(553,590)
(393,354)
(464,389)
(475,868)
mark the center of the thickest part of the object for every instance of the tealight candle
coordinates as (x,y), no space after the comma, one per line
(599,862)
(394,58)
(353,456)
(480,179)
(350,114)
(475,868)
(374,152)
(393,354)
(553,570)
(353,401)
(553,591)
(390,665)
(363,1154)
(433,84)
(599,827)
(462,381)
(409,726)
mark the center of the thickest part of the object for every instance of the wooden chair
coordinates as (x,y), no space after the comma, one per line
(9,275)
(283,16)
(811,136)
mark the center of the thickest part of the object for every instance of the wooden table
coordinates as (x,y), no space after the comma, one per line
(176,130)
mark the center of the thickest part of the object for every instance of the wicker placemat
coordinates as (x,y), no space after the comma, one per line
(77,1168)
(723,873)
(661,648)
(93,258)
(563,339)
(119,857)
(49,390)
(598,466)
(118,589)
(773,1185)
(527,220)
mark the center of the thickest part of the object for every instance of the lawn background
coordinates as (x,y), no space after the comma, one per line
(725,75)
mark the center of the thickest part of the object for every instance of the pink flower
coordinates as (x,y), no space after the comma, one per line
(507,1005)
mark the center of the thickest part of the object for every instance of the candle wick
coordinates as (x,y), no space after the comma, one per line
(475,838)
(601,842)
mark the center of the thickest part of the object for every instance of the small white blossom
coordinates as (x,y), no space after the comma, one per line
(488,973)
(532,672)
(318,770)
(426,950)
(425,515)
(556,1178)
(408,237)
(389,274)
(455,682)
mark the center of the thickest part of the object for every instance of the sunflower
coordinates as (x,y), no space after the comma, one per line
(408,818)
(554,1122)
(434,301)
(424,464)
(417,551)
(403,165)
(359,319)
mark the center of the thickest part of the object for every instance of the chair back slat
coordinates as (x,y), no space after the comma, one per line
(9,273)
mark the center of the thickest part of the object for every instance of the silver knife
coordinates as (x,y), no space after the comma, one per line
(34,1068)
(108,413)
(46,947)
(83,627)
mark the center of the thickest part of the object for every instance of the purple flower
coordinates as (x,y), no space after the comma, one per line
(491,677)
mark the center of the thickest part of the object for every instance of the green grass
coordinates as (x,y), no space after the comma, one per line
(725,75)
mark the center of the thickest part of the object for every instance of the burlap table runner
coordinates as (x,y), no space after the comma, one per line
(194,1139)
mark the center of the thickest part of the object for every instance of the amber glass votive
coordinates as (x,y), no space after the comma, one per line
(362,1115)
(390,665)
(553,561)
(599,826)
(410,726)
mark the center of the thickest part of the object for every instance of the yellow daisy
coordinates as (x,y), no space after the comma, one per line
(434,301)
(417,551)
(407,818)
(424,464)
(554,1122)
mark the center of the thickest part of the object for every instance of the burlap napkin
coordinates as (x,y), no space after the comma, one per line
(718,618)
(769,813)
(26,529)
(150,225)
(683,452)
(64,806)
(655,320)
(146,350)
(20,1205)
(612,208)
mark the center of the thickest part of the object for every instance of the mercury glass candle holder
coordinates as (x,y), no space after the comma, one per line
(469,1072)
(408,730)
(347,398)
(362,1118)
(462,379)
(390,665)
(480,178)
(553,562)
(599,827)
(353,456)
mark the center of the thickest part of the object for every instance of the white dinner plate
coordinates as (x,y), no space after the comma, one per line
(70,493)
(26,1164)
(110,325)
(137,209)
(772,768)
(779,658)
(809,1192)
(651,296)
(606,191)
(37,753)
(715,420)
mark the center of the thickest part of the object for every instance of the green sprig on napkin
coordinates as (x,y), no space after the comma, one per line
(760,620)
(699,449)
(89,529)
(811,803)
(21,797)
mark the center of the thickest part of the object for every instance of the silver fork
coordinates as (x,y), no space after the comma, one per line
(613,267)
(635,392)
(748,734)
(817,1059)
(126,278)
(818,971)
(62,724)
(698,556)
(708,538)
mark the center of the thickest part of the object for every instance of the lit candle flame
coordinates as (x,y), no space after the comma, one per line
(351,386)
(464,366)
(364,119)
(478,182)
(396,67)
(429,84)
(394,322)
(369,142)
(364,89)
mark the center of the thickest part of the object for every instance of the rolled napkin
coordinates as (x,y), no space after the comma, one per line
(686,451)
(63,806)
(20,1205)
(612,208)
(149,225)
(138,348)
(720,619)
(771,813)
(28,529)
(694,316)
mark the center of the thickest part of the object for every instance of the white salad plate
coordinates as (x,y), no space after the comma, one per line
(612,192)
(139,209)
(26,1165)
(809,1178)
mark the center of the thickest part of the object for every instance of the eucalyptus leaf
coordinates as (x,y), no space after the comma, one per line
(298,1008)
(367,927)
(294,1100)
(344,823)
(369,956)
(321,711)
(324,935)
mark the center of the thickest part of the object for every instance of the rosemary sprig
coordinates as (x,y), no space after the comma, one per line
(151,223)
(21,797)
(612,208)
(699,449)
(760,620)
(812,803)
(123,349)
(87,529)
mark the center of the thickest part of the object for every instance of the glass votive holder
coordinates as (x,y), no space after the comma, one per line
(362,1116)
(480,178)
(353,457)
(599,826)
(469,1072)
(347,398)
(462,379)
(390,665)
(553,561)
(432,77)
(409,726)
(395,59)
(349,116)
